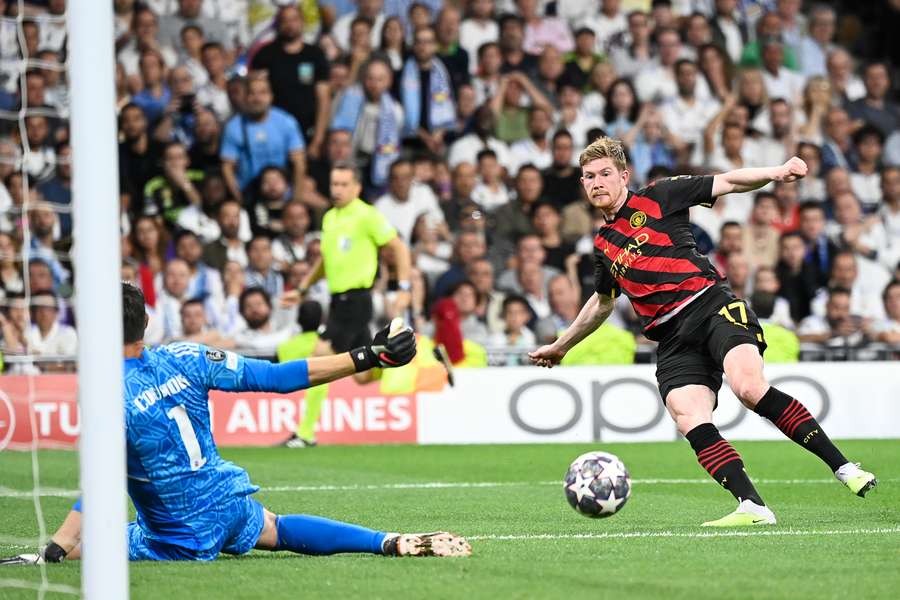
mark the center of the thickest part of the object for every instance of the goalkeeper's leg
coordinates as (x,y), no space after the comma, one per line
(307,534)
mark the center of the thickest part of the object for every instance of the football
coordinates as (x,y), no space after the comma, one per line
(597,484)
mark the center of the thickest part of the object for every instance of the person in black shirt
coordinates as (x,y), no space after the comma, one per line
(512,36)
(646,251)
(454,56)
(298,74)
(562,180)
(204,153)
(139,156)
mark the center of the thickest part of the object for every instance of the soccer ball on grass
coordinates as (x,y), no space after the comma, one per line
(597,484)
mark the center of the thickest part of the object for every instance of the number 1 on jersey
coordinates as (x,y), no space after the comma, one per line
(188,437)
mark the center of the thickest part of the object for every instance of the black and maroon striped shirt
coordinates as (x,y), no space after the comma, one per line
(648,251)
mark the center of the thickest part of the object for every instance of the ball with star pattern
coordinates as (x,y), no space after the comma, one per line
(597,484)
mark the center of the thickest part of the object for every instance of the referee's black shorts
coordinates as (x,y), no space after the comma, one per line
(349,316)
(693,344)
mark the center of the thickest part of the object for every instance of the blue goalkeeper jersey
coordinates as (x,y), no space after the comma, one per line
(176,479)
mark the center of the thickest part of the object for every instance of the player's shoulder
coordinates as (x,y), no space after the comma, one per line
(182,349)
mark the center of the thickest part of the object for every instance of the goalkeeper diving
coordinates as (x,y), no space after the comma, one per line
(191,503)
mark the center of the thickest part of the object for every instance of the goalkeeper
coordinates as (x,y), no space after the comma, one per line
(191,503)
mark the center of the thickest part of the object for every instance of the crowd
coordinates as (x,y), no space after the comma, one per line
(465,120)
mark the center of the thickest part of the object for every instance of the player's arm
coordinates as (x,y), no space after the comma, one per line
(594,312)
(746,180)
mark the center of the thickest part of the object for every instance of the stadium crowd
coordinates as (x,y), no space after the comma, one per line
(465,120)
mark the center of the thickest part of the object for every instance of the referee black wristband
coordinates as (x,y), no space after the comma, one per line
(364,359)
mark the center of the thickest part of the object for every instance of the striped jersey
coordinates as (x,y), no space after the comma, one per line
(648,251)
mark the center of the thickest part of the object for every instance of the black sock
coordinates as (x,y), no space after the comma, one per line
(794,421)
(722,462)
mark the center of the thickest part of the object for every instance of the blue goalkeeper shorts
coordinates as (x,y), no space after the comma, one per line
(243,516)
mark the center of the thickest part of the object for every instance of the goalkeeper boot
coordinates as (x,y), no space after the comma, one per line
(858,481)
(440,543)
(23,559)
(748,513)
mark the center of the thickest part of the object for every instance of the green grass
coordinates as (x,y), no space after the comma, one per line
(797,562)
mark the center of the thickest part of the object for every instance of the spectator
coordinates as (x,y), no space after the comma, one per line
(490,300)
(515,93)
(207,135)
(798,277)
(47,246)
(145,37)
(487,78)
(820,249)
(172,292)
(769,26)
(545,218)
(47,336)
(490,193)
(685,114)
(407,200)
(528,250)
(863,281)
(781,82)
(875,108)
(205,282)
(469,246)
(178,120)
(427,94)
(41,163)
(460,207)
(14,325)
(728,31)
(650,144)
(430,252)
(622,108)
(815,47)
(214,93)
(149,243)
(466,298)
(272,194)
(139,156)
(290,245)
(261,136)
(229,246)
(760,244)
(838,149)
(195,327)
(10,271)
(58,189)
(562,180)
(787,193)
(454,57)
(582,59)
(609,21)
(839,326)
(477,29)
(565,304)
(765,281)
(535,149)
(846,86)
(811,187)
(483,137)
(166,195)
(260,267)
(298,75)
(657,83)
(631,51)
(782,345)
(371,10)
(543,31)
(261,333)
(888,329)
(376,120)
(731,240)
(513,219)
(890,206)
(512,39)
(188,13)
(866,181)
(155,94)
(515,334)
(717,69)
(737,271)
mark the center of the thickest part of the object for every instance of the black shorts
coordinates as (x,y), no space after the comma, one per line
(349,316)
(693,344)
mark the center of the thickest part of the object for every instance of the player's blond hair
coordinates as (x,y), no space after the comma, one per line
(604,147)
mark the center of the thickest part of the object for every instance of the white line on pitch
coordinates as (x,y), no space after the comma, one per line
(432,485)
(685,534)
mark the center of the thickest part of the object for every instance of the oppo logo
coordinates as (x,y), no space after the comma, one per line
(568,401)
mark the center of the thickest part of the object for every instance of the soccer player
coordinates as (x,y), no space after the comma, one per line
(192,504)
(646,250)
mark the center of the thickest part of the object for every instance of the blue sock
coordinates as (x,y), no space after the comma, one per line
(306,534)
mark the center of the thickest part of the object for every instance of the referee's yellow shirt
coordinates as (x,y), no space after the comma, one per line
(351,237)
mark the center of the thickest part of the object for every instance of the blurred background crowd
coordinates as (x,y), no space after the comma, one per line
(465,119)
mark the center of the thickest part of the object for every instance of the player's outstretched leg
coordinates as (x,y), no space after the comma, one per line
(306,534)
(794,421)
(743,367)
(691,407)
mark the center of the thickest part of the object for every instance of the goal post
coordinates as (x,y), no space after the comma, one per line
(98,301)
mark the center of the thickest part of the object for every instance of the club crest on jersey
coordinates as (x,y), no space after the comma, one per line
(638,219)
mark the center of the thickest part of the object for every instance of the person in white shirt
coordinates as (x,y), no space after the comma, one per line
(47,336)
(888,329)
(262,333)
(146,32)
(814,48)
(656,83)
(838,325)
(406,200)
(864,279)
(515,334)
(866,180)
(480,28)
(466,148)
(370,9)
(490,193)
(778,146)
(609,22)
(780,81)
(487,72)
(290,245)
(686,115)
(536,148)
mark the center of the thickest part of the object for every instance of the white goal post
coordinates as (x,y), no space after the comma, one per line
(95,191)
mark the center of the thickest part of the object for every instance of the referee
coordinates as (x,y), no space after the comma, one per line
(353,232)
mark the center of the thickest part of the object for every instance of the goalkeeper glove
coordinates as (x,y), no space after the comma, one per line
(393,346)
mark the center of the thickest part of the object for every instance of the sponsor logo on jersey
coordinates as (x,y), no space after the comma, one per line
(215,355)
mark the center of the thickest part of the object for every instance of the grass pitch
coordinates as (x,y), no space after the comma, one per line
(527,541)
